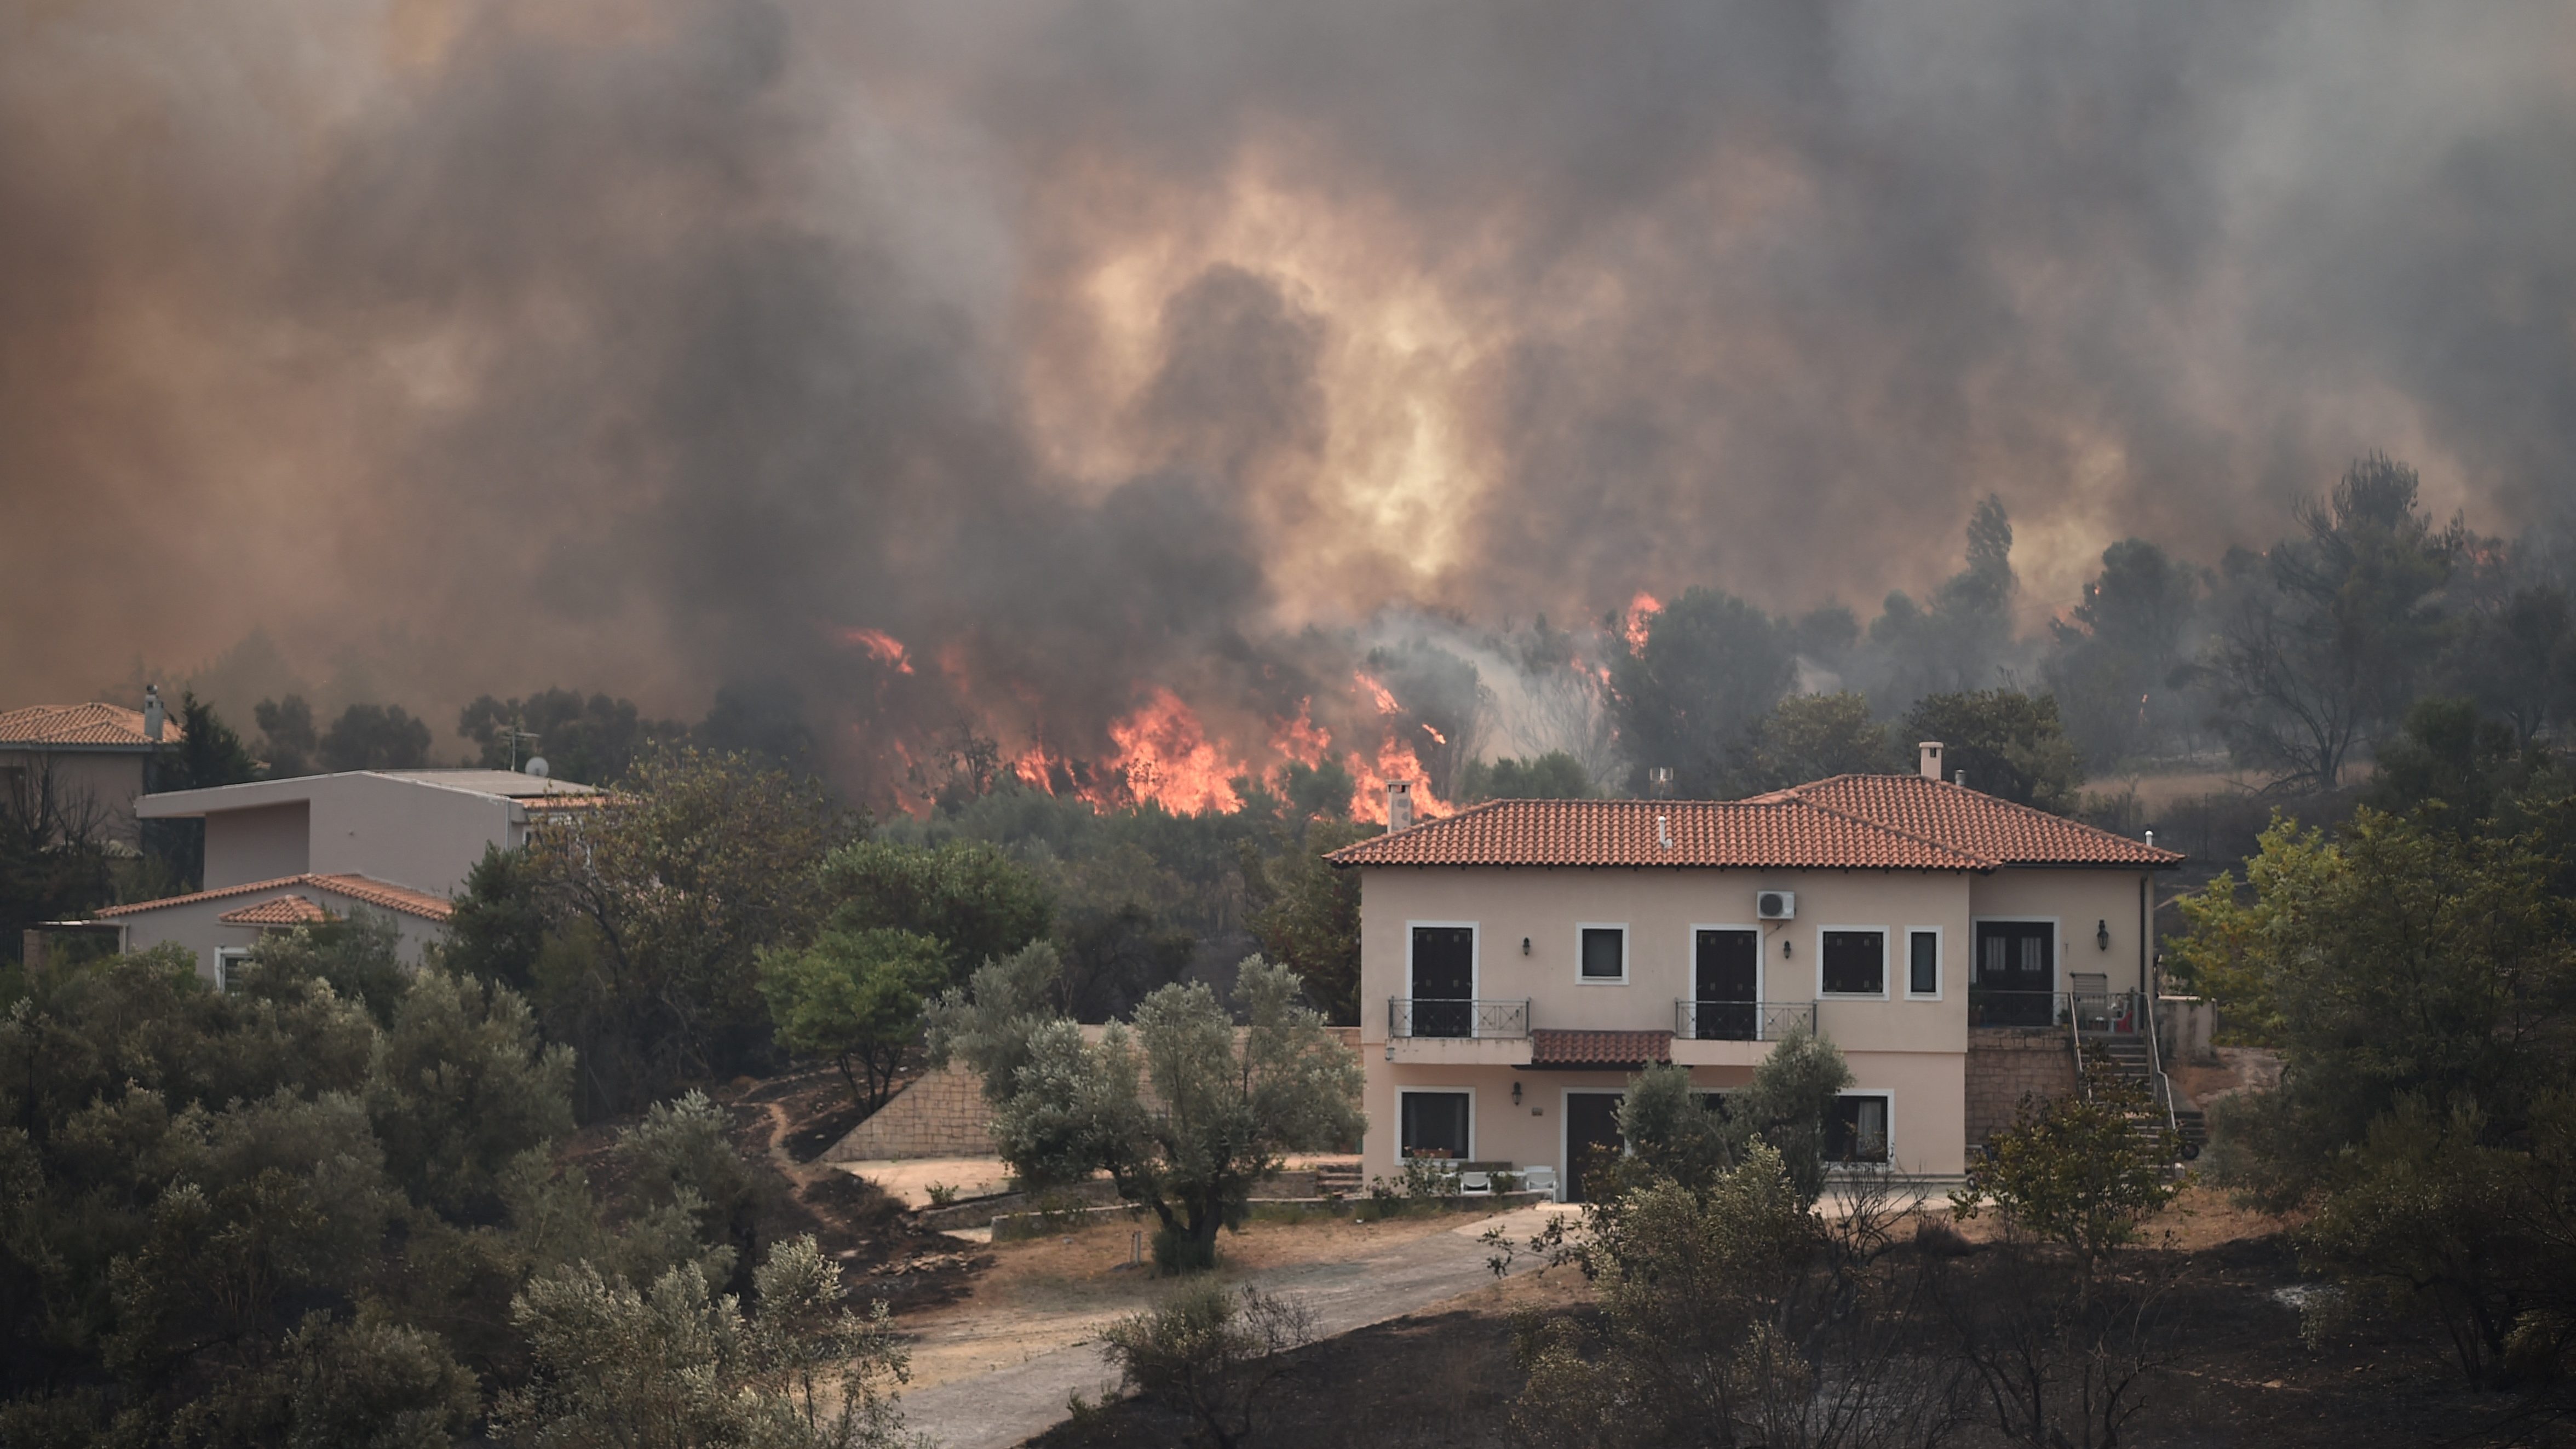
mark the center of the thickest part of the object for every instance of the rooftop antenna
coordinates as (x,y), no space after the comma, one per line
(515,736)
(1659,782)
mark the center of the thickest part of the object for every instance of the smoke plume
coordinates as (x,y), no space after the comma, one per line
(1090,348)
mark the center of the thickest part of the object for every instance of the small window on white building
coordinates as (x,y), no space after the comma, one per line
(1605,953)
(1923,963)
(1855,963)
(1858,1130)
(228,959)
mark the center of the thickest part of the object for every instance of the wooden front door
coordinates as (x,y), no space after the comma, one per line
(1727,972)
(1592,1138)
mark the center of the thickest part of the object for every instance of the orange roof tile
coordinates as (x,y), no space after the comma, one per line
(1970,820)
(1775,832)
(354,887)
(285,910)
(81,724)
(1849,822)
(1630,1049)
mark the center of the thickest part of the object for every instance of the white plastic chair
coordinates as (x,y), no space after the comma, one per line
(1539,1179)
(1475,1184)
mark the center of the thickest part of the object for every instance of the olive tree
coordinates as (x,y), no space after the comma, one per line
(1182,1109)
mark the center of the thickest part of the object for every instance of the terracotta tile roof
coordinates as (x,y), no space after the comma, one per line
(1631,1049)
(1774,832)
(1849,822)
(1999,830)
(80,724)
(354,887)
(286,910)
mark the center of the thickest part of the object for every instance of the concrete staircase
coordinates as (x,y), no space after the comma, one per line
(1338,1178)
(2128,1056)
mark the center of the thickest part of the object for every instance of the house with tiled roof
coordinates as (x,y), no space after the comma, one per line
(1520,959)
(87,763)
(286,853)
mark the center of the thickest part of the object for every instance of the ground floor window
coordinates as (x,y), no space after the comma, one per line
(228,959)
(1435,1125)
(1858,1130)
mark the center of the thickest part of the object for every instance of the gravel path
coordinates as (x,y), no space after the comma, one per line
(1007,1405)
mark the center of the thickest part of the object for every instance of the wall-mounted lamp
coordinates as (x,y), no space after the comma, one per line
(1784,946)
(1524,945)
(1516,1094)
(2102,934)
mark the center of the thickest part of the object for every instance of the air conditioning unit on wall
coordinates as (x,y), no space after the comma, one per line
(1775,905)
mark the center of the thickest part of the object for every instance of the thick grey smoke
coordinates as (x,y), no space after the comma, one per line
(1088,347)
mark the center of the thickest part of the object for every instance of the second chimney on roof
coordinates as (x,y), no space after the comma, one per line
(1931,759)
(152,714)
(1399,806)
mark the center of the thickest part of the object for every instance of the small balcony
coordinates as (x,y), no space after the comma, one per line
(1741,1020)
(2088,1013)
(1500,1020)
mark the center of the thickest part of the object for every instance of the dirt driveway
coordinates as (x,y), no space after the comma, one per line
(999,1366)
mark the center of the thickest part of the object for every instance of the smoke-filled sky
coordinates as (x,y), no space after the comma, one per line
(1086,345)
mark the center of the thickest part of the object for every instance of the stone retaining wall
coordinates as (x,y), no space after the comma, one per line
(941,1114)
(944,1114)
(2007,1063)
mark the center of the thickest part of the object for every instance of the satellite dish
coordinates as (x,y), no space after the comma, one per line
(536,766)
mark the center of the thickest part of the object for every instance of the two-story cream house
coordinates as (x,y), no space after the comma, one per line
(1519,960)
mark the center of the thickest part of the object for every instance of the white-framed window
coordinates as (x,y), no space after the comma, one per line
(1923,962)
(1862,1129)
(1435,1122)
(1852,960)
(227,960)
(1601,953)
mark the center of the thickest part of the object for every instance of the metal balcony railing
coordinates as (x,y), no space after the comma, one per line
(2088,1013)
(1741,1020)
(1479,1020)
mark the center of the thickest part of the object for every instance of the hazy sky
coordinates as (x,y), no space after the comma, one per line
(647,344)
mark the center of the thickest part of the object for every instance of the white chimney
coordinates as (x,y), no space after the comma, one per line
(1931,751)
(152,715)
(1399,805)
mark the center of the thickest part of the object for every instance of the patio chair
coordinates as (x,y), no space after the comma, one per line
(1539,1179)
(1475,1184)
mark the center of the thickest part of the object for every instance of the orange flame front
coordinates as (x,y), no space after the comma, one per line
(1164,758)
(881,646)
(1370,778)
(1641,618)
(1385,702)
(1301,740)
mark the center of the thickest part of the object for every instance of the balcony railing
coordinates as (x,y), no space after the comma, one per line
(1741,1020)
(2090,1013)
(1481,1020)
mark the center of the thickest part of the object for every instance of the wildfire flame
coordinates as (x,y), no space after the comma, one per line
(1369,778)
(881,646)
(1301,740)
(1037,768)
(1164,757)
(1385,701)
(1436,736)
(1641,617)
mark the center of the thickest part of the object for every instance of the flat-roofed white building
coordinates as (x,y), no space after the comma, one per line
(282,853)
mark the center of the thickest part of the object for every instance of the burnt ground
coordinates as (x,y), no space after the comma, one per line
(2240,1374)
(780,1125)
